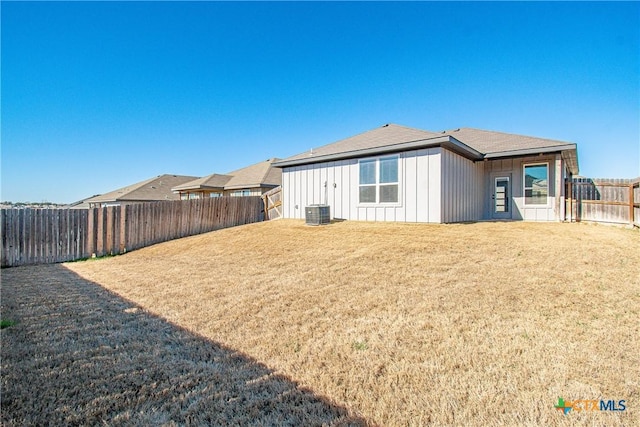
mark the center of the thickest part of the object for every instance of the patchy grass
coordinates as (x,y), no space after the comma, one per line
(405,324)
(5,323)
(84,356)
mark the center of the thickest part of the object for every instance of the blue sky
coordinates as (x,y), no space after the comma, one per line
(96,96)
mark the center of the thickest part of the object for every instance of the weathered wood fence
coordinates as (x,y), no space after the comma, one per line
(272,200)
(43,236)
(603,200)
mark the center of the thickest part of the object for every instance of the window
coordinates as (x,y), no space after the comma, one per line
(536,184)
(241,193)
(214,195)
(379,180)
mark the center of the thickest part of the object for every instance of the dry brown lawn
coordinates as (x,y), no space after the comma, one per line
(401,324)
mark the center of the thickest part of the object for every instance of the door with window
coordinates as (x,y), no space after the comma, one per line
(501,197)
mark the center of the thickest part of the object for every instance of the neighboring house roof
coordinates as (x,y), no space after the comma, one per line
(261,174)
(474,144)
(153,189)
(211,182)
(80,204)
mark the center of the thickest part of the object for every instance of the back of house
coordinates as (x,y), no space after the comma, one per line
(402,174)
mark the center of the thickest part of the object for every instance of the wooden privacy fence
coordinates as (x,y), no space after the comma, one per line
(272,200)
(603,200)
(43,236)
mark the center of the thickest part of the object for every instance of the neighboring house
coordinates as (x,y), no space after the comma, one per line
(208,186)
(154,189)
(252,180)
(80,204)
(396,173)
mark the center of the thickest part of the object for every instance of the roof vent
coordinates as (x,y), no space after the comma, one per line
(384,126)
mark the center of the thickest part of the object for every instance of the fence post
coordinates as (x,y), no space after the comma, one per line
(91,232)
(123,229)
(631,205)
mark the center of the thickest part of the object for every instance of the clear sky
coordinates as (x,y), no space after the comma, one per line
(96,96)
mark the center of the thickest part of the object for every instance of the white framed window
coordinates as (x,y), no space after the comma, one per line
(378,182)
(536,184)
(241,193)
(214,195)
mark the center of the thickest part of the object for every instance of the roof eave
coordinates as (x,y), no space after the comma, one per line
(196,187)
(530,151)
(239,187)
(569,153)
(444,141)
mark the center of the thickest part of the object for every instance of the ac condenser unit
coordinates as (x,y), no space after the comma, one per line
(317,214)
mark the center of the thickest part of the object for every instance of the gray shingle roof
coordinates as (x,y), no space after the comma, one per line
(474,143)
(261,174)
(490,142)
(158,188)
(389,134)
(212,182)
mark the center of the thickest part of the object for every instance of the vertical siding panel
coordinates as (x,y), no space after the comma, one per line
(338,190)
(325,192)
(445,193)
(390,214)
(435,186)
(286,188)
(288,199)
(288,191)
(294,180)
(412,189)
(450,173)
(317,185)
(347,190)
(370,214)
(308,196)
(480,194)
(356,212)
(298,195)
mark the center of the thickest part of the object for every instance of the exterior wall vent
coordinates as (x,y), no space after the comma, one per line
(317,215)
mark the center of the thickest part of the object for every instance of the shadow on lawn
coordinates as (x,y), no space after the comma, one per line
(79,354)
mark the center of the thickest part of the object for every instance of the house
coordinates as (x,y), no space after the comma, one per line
(80,204)
(401,174)
(252,180)
(150,190)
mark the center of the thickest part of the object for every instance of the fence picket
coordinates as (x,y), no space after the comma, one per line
(604,200)
(40,236)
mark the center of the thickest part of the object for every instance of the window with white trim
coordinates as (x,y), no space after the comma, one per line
(536,184)
(379,180)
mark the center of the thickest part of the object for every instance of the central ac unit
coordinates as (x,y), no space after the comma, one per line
(317,214)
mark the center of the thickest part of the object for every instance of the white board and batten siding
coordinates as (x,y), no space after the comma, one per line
(514,168)
(462,188)
(425,177)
